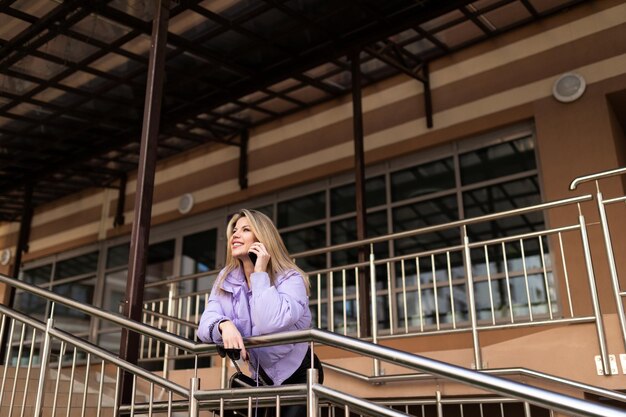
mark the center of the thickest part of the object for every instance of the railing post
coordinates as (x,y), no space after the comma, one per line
(527,412)
(224,375)
(193,402)
(439,405)
(612,269)
(374,313)
(311,397)
(170,312)
(45,356)
(471,301)
(594,294)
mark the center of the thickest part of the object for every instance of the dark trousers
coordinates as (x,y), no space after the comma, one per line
(298,377)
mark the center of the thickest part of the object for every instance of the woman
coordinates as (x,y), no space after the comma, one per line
(267,296)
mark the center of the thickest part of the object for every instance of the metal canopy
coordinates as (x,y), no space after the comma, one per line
(73,73)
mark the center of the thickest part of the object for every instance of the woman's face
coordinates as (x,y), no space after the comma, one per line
(241,238)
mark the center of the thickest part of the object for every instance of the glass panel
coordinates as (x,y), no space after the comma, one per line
(306,239)
(267,210)
(160,266)
(342,199)
(343,231)
(114,291)
(351,323)
(199,252)
(118,255)
(423,179)
(28,303)
(498,160)
(426,213)
(500,197)
(302,209)
(199,255)
(69,319)
(79,265)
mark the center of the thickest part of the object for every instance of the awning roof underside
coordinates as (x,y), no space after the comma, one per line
(73,73)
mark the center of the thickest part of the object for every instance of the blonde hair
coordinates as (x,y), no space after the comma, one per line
(266,233)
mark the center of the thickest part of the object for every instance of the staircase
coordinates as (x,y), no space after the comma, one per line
(404,368)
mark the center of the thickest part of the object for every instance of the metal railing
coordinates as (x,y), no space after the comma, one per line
(468,286)
(80,366)
(194,399)
(618,293)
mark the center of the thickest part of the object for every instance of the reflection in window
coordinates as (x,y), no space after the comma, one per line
(498,160)
(199,256)
(307,239)
(423,179)
(302,210)
(28,303)
(69,319)
(267,210)
(199,251)
(343,231)
(426,213)
(76,266)
(118,255)
(342,199)
(501,197)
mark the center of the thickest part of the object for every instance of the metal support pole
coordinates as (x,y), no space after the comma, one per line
(428,100)
(374,308)
(612,268)
(597,313)
(243,159)
(133,304)
(311,396)
(439,405)
(45,357)
(359,182)
(224,375)
(171,309)
(22,246)
(193,402)
(471,300)
(121,201)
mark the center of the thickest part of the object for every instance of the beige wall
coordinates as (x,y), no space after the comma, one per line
(496,83)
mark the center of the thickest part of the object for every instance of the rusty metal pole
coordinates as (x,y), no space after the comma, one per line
(359,185)
(133,303)
(22,247)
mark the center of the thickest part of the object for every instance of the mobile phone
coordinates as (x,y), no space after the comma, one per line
(252,257)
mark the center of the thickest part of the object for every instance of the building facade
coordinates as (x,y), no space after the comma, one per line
(500,141)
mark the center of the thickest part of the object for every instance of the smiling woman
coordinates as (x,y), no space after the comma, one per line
(267,295)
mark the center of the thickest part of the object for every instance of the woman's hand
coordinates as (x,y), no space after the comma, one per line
(263,256)
(232,338)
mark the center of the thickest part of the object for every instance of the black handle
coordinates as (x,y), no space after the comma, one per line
(234,354)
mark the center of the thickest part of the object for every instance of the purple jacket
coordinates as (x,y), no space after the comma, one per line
(262,310)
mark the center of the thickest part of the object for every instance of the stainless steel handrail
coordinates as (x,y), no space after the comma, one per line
(112,317)
(181,278)
(95,350)
(606,233)
(436,228)
(375,380)
(491,383)
(356,403)
(537,396)
(598,175)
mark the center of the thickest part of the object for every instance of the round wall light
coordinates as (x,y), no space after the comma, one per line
(5,256)
(568,87)
(185,204)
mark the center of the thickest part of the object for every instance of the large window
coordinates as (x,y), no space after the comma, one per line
(457,181)
(73,277)
(461,180)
